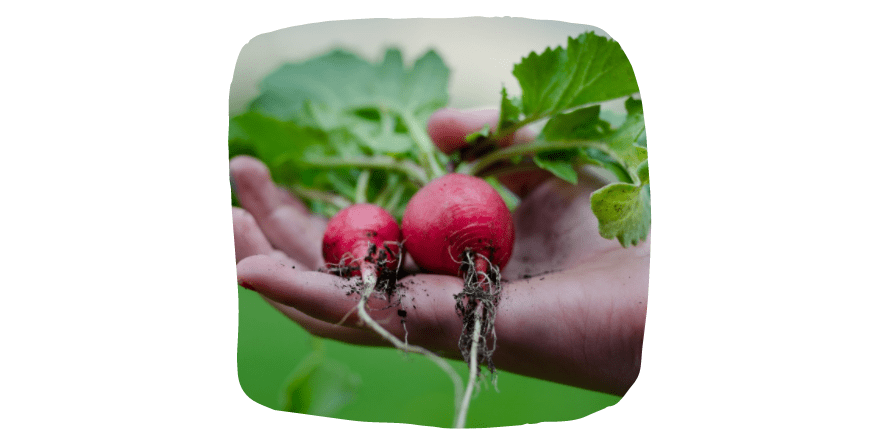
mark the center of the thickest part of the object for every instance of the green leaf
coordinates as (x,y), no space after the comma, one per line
(613,119)
(235,131)
(591,69)
(336,79)
(339,88)
(510,110)
(341,185)
(381,141)
(623,211)
(425,90)
(580,124)
(478,135)
(642,172)
(270,138)
(320,386)
(607,160)
(623,142)
(562,169)
(508,196)
(362,109)
(240,147)
(390,75)
(633,105)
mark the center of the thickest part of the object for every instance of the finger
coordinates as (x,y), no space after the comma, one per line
(249,240)
(408,266)
(285,222)
(448,129)
(427,303)
(523,183)
(323,329)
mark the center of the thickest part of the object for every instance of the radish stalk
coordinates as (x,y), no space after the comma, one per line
(327,197)
(427,148)
(361,188)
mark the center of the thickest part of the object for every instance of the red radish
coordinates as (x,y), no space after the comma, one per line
(361,237)
(455,214)
(459,225)
(364,239)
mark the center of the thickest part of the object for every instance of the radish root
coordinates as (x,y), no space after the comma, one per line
(370,283)
(476,305)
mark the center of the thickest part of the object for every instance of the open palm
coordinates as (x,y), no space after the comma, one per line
(573,304)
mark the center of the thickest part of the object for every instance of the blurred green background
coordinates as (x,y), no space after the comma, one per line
(334,379)
(338,380)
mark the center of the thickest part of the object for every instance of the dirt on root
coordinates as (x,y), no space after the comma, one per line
(387,286)
(479,288)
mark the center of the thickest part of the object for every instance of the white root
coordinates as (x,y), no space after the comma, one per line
(369,279)
(482,317)
(473,370)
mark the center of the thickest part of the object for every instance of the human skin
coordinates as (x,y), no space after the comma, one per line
(578,319)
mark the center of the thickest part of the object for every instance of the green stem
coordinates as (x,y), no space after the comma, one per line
(427,148)
(392,181)
(361,189)
(327,197)
(387,121)
(530,149)
(511,129)
(391,204)
(405,167)
(579,166)
(500,133)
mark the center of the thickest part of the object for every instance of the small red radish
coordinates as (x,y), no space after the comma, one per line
(361,237)
(453,215)
(364,239)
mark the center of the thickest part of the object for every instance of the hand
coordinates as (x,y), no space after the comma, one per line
(573,304)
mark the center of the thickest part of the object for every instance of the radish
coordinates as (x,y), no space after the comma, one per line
(364,240)
(361,240)
(459,225)
(454,215)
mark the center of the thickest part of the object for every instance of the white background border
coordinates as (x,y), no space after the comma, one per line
(766,311)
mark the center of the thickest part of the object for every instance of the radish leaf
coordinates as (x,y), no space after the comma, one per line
(643,173)
(312,115)
(320,385)
(623,142)
(591,69)
(271,138)
(558,163)
(623,211)
(510,109)
(580,124)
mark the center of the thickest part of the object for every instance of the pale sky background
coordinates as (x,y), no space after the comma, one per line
(480,52)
